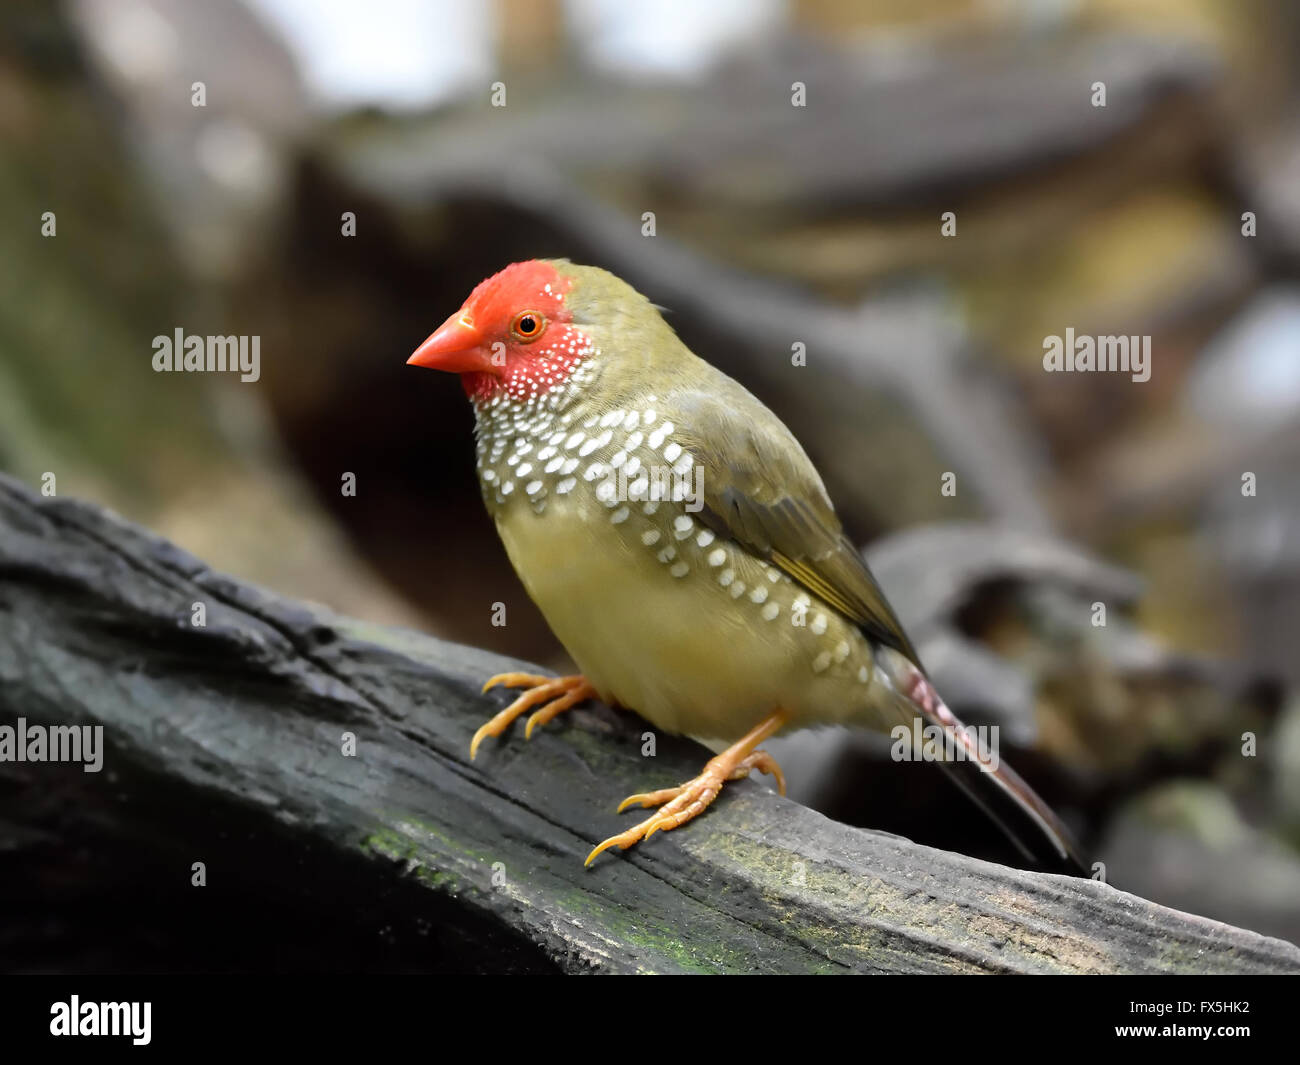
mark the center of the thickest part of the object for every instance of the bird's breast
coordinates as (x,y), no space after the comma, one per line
(600,518)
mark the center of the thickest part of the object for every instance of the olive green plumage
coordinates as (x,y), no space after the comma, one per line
(703,613)
(761,489)
(677,538)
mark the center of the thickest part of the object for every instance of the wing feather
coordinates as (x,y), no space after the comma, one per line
(762,491)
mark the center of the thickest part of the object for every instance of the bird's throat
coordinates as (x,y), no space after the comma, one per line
(516,419)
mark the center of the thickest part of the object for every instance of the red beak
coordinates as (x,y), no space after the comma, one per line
(456,347)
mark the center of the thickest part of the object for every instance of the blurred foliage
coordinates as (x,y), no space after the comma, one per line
(78,310)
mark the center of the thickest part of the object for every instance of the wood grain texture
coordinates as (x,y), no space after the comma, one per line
(246,716)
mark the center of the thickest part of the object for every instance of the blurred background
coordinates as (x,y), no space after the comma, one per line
(1169,736)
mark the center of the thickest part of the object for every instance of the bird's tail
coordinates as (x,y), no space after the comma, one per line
(976,768)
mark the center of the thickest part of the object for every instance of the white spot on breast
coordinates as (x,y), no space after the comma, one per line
(705,538)
(863,675)
(680,569)
(668,554)
(569,466)
(759,594)
(633,464)
(650,537)
(737,589)
(648,417)
(525,469)
(596,469)
(489,475)
(650,507)
(672,451)
(820,663)
(662,433)
(842,650)
(507,488)
(771,610)
(555,464)
(566,485)
(818,624)
(619,516)
(590,423)
(726,576)
(512,460)
(573,441)
(682,527)
(614,418)
(545,454)
(619,458)
(631,421)
(717,557)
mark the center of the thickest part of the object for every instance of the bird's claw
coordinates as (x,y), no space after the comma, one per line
(556,694)
(518,680)
(687,801)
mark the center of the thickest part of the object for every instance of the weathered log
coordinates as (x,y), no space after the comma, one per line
(247,715)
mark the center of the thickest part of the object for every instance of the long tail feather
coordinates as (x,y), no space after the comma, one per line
(992,784)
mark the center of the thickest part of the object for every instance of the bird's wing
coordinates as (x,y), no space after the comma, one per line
(761,490)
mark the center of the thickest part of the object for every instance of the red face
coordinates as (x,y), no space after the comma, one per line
(513,333)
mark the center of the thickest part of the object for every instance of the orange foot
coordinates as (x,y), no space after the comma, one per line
(558,693)
(692,798)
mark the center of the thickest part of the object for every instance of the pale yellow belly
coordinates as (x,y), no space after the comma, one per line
(696,637)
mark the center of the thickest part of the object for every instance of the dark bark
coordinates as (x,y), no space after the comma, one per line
(224,746)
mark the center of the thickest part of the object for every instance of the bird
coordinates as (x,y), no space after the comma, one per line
(683,548)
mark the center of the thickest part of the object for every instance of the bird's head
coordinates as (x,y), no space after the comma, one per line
(524,330)
(514,332)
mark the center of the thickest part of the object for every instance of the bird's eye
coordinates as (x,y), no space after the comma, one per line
(528,325)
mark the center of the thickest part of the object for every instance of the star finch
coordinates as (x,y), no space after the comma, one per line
(678,541)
